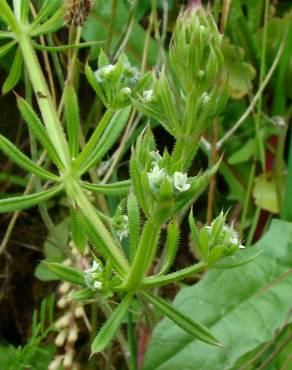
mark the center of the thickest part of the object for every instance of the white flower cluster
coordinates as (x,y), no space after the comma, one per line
(157,175)
(92,274)
(229,235)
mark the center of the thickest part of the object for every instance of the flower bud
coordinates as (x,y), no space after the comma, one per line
(56,363)
(61,337)
(73,334)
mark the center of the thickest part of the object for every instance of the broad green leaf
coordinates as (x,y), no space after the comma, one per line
(244,153)
(243,307)
(265,193)
(108,138)
(120,188)
(193,328)
(14,73)
(27,201)
(240,73)
(54,249)
(67,273)
(110,328)
(23,161)
(134,223)
(35,125)
(72,120)
(5,48)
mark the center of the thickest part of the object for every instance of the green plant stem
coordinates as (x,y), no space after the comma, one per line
(247,196)
(132,342)
(114,253)
(44,99)
(144,254)
(253,226)
(260,144)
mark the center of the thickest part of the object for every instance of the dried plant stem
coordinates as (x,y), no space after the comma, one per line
(15,215)
(255,99)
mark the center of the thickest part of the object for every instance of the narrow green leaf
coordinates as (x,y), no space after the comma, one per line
(37,128)
(78,236)
(56,49)
(27,201)
(24,10)
(101,247)
(72,120)
(6,35)
(5,48)
(14,73)
(51,304)
(95,85)
(120,188)
(109,329)
(66,273)
(83,294)
(93,140)
(23,161)
(46,10)
(171,246)
(134,223)
(197,330)
(43,315)
(144,255)
(109,137)
(157,280)
(51,25)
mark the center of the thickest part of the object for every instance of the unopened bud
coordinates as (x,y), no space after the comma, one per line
(56,363)
(73,334)
(64,287)
(61,337)
(79,312)
(63,322)
(68,359)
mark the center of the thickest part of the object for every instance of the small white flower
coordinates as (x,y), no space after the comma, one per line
(96,267)
(122,229)
(148,95)
(92,273)
(180,181)
(241,246)
(104,72)
(107,70)
(205,98)
(97,285)
(122,234)
(126,91)
(155,177)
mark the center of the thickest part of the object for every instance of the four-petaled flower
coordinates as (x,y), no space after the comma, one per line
(180,181)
